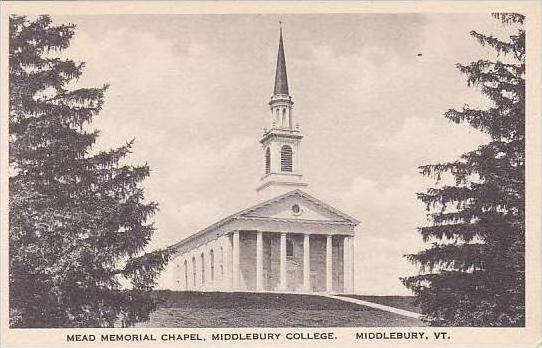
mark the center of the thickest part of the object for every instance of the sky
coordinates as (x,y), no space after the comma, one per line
(370,91)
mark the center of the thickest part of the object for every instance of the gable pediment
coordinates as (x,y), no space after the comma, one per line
(297,205)
(311,210)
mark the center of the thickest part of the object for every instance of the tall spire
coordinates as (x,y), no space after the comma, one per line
(281,79)
(281,143)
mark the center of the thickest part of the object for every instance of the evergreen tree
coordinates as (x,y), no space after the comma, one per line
(474,272)
(78,222)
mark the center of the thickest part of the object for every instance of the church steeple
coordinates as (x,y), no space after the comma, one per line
(281,78)
(281,142)
(281,102)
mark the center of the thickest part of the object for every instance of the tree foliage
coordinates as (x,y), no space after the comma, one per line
(474,272)
(78,222)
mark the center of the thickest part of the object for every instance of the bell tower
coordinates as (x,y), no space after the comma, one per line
(281,142)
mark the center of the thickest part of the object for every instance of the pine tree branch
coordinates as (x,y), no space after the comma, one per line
(460,257)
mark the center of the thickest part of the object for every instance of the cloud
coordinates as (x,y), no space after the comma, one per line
(179,220)
(389,210)
(389,216)
(203,161)
(190,192)
(433,139)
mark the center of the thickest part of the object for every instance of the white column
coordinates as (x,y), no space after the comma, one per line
(235,261)
(306,262)
(283,285)
(227,277)
(259,261)
(346,265)
(329,267)
(352,258)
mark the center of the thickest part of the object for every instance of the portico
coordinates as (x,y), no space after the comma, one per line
(260,249)
(283,262)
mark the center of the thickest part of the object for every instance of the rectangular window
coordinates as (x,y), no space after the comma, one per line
(289,248)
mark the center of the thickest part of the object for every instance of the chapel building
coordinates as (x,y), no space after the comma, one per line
(289,242)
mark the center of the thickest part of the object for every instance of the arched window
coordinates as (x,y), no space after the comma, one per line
(286,158)
(212,259)
(202,268)
(283,118)
(185,275)
(193,271)
(267,161)
(176,273)
(289,248)
(221,263)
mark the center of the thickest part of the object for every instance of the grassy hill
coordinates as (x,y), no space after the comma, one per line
(241,309)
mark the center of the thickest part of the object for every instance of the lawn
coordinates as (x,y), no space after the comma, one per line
(240,309)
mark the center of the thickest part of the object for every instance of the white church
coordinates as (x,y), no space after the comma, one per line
(289,242)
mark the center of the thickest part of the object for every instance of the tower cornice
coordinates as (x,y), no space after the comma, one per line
(280,133)
(278,98)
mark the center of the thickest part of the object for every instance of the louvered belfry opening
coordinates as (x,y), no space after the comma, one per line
(286,164)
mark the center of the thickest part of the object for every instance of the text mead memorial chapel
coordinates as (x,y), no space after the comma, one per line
(290,242)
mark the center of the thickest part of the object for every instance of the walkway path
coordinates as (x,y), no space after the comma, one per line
(377,306)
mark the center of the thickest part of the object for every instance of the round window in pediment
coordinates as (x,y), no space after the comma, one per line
(296,209)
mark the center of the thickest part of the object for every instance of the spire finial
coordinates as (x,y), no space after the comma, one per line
(281,79)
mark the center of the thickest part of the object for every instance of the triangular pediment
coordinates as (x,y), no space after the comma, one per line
(297,205)
(311,210)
